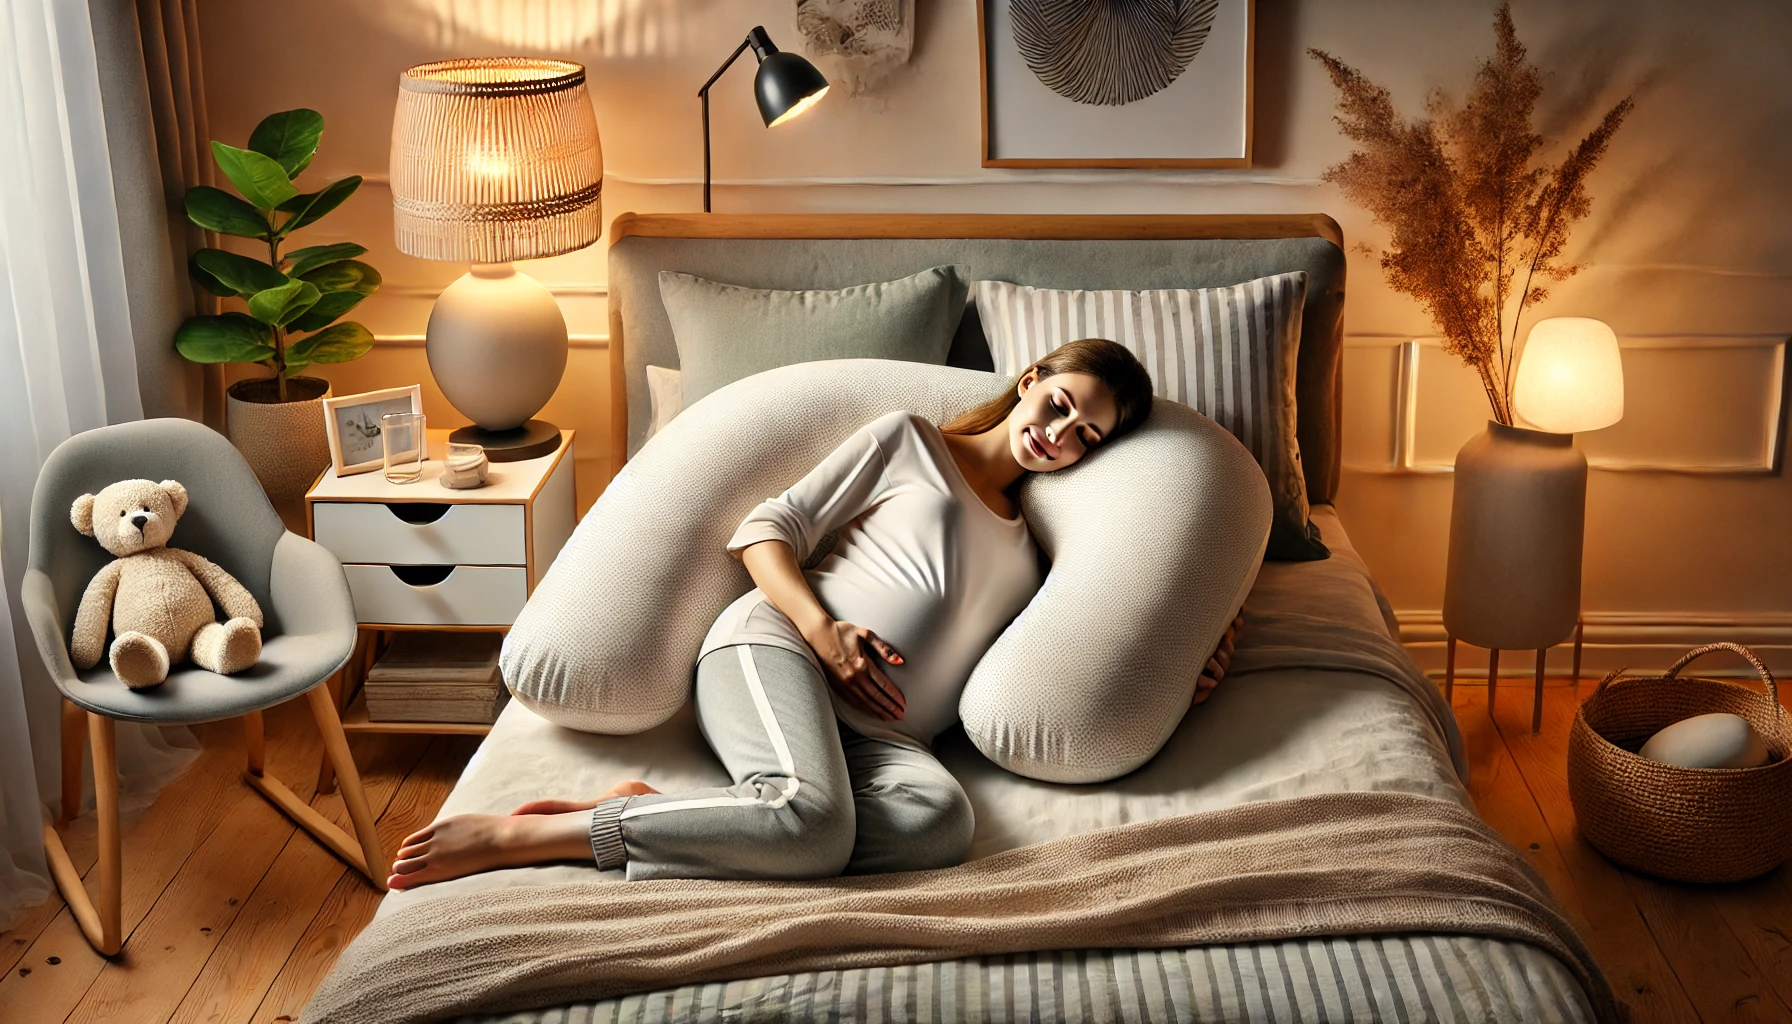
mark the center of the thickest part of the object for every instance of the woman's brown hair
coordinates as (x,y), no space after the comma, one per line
(1109,362)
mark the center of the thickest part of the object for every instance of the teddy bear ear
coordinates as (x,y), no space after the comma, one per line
(176,494)
(82,514)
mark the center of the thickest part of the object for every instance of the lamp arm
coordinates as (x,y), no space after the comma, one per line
(703,94)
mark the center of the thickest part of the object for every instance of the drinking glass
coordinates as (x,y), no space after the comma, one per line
(402,436)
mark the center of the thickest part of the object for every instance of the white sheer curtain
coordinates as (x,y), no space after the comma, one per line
(66,365)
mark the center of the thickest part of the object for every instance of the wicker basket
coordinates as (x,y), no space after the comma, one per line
(1687,824)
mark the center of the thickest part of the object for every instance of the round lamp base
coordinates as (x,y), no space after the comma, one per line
(532,440)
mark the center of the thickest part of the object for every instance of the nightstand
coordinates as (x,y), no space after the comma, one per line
(420,556)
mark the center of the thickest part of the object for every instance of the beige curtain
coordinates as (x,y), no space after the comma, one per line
(152,85)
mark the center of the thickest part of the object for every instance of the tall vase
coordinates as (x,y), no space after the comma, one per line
(1517,517)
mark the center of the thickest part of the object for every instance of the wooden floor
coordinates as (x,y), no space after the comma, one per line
(233,916)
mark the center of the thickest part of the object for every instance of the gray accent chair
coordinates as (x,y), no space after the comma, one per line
(309,635)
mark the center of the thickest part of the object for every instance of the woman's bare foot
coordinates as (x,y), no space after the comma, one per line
(1219,663)
(466,843)
(630,788)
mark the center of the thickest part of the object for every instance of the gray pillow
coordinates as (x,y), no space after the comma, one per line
(725,332)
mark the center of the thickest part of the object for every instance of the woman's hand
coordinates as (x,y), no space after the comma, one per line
(852,657)
(1221,660)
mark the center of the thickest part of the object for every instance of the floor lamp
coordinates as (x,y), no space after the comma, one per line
(785,86)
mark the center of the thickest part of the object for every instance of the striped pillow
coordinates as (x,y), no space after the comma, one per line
(1229,352)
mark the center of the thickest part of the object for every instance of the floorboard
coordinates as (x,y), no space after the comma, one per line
(1715,970)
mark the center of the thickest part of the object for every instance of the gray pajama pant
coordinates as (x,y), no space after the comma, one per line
(811,798)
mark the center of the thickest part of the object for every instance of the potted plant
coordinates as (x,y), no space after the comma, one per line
(292,300)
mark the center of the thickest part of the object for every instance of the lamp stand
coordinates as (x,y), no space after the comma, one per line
(497,349)
(760,43)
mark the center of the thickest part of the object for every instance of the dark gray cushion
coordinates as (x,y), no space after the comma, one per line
(310,618)
(725,332)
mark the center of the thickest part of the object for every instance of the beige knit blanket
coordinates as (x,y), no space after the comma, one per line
(1337,864)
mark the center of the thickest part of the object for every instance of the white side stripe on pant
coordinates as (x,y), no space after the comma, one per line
(776,735)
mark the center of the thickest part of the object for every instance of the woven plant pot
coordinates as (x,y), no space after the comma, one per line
(284,442)
(1685,824)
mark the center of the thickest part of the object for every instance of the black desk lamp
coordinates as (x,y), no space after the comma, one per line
(786,86)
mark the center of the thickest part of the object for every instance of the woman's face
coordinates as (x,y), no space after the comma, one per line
(1059,419)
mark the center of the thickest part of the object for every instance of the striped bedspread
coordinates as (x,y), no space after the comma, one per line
(1451,979)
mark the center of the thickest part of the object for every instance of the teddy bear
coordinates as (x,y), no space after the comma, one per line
(155,596)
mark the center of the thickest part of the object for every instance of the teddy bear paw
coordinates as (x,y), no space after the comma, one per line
(139,660)
(228,647)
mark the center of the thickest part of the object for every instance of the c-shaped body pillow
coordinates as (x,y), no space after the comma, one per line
(1154,540)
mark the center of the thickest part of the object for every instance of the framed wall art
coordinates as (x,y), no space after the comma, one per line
(1116,83)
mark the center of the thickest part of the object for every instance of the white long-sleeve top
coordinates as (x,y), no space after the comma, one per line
(920,560)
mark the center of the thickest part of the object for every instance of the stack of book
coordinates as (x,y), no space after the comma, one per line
(437,677)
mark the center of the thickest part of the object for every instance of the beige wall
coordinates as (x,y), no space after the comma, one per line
(1687,253)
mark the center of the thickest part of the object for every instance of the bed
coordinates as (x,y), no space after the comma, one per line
(1283,727)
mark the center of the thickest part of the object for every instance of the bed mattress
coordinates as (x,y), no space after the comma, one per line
(1267,735)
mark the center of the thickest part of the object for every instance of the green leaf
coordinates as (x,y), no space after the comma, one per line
(206,279)
(330,306)
(289,137)
(242,275)
(310,207)
(336,344)
(284,303)
(313,256)
(344,276)
(217,210)
(259,178)
(229,338)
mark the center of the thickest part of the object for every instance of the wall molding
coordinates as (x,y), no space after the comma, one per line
(1642,641)
(1408,394)
(993,177)
(591,341)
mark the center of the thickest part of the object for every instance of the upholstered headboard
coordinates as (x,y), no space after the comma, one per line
(1051,251)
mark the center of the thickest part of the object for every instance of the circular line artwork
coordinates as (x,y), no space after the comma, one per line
(1110,52)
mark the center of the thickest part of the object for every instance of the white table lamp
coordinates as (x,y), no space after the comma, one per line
(1518,506)
(496,159)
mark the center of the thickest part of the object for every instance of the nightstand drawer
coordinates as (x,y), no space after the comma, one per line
(447,595)
(421,533)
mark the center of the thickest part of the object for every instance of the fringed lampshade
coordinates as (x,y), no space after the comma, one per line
(495,159)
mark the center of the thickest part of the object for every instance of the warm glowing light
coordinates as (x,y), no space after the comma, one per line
(801,105)
(1570,377)
(489,164)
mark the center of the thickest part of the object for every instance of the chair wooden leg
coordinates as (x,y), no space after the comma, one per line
(255,742)
(74,743)
(1537,696)
(1493,678)
(326,772)
(101,923)
(363,852)
(1450,671)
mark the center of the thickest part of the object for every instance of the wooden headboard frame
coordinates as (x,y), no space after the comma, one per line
(1078,227)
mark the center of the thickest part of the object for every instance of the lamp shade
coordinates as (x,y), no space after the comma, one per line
(495,159)
(1570,377)
(785,86)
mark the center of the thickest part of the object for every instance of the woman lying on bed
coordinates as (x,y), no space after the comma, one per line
(822,691)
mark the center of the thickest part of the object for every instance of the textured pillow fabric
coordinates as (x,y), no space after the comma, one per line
(1228,352)
(1154,542)
(725,332)
(1156,539)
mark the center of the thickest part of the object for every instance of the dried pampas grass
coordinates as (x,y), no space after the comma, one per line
(1468,211)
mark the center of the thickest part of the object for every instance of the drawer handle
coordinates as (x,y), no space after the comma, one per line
(419,513)
(422,575)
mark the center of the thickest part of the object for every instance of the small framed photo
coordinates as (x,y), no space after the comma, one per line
(353,425)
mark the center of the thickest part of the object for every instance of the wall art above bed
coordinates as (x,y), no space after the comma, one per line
(1116,83)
